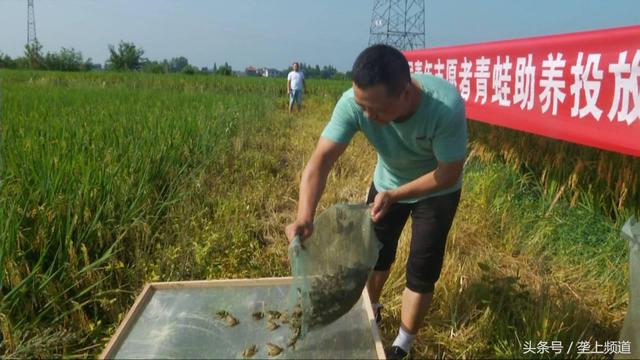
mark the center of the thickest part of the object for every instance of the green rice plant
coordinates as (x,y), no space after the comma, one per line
(93,167)
(605,180)
(111,180)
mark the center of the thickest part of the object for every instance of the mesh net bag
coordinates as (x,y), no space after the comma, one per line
(631,329)
(330,269)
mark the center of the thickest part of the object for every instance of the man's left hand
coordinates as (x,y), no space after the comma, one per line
(381,205)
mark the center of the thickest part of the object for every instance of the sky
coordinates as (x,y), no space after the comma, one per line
(274,33)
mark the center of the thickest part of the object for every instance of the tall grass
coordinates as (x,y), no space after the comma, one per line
(101,176)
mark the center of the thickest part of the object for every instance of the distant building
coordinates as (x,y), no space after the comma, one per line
(264,72)
(251,71)
(270,72)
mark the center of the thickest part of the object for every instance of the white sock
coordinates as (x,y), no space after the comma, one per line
(404,340)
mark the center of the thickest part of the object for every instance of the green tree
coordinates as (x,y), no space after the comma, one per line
(126,57)
(178,64)
(90,65)
(7,62)
(190,70)
(156,67)
(33,55)
(66,60)
(328,72)
(224,70)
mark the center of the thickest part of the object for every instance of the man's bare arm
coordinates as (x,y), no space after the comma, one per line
(444,176)
(312,184)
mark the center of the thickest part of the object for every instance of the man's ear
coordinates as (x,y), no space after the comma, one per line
(406,93)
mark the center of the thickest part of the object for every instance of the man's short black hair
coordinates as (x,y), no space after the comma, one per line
(381,64)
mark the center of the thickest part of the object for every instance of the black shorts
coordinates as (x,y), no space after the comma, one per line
(431,221)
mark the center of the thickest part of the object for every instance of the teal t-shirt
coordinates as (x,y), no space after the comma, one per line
(411,148)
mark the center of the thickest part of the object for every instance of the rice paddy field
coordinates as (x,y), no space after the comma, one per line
(112,180)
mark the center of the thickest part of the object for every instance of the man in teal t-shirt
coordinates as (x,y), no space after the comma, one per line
(418,128)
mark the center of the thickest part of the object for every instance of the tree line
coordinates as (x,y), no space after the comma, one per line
(129,57)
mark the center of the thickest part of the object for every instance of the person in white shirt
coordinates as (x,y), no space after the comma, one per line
(295,85)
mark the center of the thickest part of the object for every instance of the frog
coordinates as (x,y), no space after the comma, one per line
(272,325)
(231,321)
(258,315)
(250,351)
(273,349)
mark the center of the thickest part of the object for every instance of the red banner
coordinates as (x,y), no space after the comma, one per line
(579,87)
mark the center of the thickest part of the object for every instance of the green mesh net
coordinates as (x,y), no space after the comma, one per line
(330,269)
(631,329)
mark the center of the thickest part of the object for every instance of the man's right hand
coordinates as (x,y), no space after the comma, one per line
(299,227)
